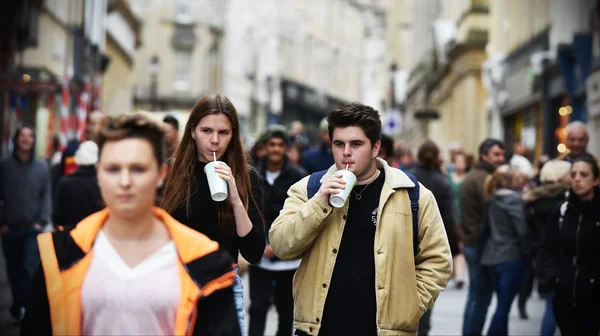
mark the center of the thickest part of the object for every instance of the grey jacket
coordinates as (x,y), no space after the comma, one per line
(507,228)
(24,193)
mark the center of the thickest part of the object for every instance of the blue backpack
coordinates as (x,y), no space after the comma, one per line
(314,183)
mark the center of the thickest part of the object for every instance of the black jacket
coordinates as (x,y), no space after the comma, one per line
(204,218)
(540,202)
(570,253)
(78,197)
(439,185)
(276,194)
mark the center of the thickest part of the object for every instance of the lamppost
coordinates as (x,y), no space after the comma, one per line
(154,72)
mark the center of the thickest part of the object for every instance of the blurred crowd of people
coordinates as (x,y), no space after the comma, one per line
(510,223)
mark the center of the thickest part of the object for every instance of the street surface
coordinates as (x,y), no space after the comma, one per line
(448,314)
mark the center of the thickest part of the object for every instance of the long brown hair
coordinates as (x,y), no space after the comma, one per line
(182,176)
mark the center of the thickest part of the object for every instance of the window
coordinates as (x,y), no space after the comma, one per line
(183,63)
(183,12)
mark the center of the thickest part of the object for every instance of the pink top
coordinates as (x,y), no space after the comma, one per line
(119,300)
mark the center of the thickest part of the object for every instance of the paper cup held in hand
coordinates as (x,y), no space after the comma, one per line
(217,185)
(338,200)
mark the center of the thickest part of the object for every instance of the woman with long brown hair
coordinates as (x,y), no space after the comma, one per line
(213,131)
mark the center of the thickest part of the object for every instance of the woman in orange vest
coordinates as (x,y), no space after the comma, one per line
(131,268)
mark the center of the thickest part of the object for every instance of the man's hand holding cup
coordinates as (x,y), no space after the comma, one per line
(334,185)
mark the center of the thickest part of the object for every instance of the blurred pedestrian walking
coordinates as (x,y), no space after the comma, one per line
(131,269)
(540,203)
(473,205)
(460,167)
(78,194)
(428,172)
(319,157)
(25,206)
(271,279)
(570,253)
(503,243)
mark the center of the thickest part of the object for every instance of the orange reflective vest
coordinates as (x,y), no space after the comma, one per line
(206,274)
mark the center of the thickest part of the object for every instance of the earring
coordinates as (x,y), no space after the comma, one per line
(160,183)
(193,136)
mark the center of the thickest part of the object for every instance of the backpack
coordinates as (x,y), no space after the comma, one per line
(314,183)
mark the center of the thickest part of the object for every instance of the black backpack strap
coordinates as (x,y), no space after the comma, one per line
(314,183)
(413,195)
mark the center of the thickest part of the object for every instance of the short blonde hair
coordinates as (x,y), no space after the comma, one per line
(554,170)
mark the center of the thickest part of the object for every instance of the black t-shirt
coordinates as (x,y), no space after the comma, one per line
(351,306)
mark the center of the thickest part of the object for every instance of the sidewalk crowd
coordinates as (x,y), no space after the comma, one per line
(150,232)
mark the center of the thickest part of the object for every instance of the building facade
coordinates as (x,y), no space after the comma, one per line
(288,60)
(180,58)
(123,37)
(53,59)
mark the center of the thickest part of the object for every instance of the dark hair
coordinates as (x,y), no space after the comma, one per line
(487,144)
(591,162)
(181,181)
(277,134)
(356,114)
(133,126)
(172,121)
(18,133)
(387,143)
(429,155)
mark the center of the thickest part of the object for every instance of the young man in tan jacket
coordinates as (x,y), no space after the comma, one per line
(359,273)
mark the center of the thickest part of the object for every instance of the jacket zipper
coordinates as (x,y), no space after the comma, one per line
(575,260)
(194,309)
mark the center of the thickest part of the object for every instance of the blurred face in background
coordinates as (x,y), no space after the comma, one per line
(577,141)
(25,140)
(460,163)
(172,136)
(407,159)
(276,150)
(93,124)
(296,128)
(583,180)
(294,155)
(495,156)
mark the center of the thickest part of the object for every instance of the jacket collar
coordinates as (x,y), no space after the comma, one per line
(190,244)
(395,178)
(548,190)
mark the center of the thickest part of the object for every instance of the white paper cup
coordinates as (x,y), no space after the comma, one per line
(217,185)
(338,200)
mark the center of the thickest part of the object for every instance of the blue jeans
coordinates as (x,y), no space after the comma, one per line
(238,296)
(548,321)
(506,279)
(479,296)
(22,259)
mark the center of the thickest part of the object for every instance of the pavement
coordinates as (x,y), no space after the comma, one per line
(448,314)
(446,319)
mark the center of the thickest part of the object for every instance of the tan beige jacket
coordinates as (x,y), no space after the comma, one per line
(406,286)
